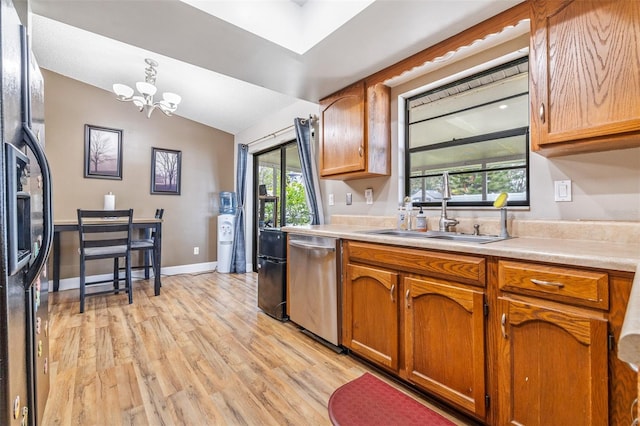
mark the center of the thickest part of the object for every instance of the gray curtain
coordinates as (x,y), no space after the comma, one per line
(309,169)
(238,254)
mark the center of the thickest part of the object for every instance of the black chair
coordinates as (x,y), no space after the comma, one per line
(146,246)
(105,234)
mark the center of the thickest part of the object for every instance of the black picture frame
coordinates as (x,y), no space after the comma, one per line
(102,152)
(166,170)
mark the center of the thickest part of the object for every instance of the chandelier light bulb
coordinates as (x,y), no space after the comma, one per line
(147,89)
(138,101)
(172,98)
(122,90)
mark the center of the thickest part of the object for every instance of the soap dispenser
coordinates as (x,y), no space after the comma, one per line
(421,221)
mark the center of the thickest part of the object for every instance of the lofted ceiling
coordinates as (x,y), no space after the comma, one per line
(229,77)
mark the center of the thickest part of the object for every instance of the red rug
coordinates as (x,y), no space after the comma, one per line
(369,401)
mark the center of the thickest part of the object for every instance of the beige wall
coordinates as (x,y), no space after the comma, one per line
(207,169)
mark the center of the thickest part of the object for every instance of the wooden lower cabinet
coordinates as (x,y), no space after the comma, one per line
(444,341)
(553,366)
(534,341)
(370,314)
(427,330)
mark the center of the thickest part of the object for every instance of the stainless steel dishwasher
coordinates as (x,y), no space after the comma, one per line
(313,283)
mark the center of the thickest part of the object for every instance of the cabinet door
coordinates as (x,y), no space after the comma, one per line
(585,72)
(552,368)
(370,316)
(343,132)
(444,341)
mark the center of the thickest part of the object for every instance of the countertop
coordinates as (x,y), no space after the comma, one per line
(585,253)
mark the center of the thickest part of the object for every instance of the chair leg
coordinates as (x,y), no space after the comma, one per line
(82,285)
(128,282)
(147,261)
(116,275)
(155,263)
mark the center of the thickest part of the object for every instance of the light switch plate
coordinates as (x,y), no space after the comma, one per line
(349,198)
(562,190)
(332,200)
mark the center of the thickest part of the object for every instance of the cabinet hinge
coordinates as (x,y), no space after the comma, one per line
(612,342)
(486,401)
(486,309)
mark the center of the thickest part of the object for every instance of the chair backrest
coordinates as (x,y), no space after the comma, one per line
(151,234)
(104,228)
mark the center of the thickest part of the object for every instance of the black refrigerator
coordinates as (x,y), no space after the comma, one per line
(272,273)
(26,230)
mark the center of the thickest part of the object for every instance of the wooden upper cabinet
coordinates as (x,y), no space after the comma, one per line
(585,75)
(355,132)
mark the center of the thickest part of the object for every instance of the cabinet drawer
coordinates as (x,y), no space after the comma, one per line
(580,287)
(461,268)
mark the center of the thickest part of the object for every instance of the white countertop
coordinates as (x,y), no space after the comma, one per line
(593,254)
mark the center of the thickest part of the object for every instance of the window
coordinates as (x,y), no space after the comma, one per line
(477,129)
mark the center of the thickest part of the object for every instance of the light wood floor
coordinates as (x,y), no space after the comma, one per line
(201,353)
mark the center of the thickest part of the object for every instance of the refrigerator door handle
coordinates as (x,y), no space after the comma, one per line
(47,212)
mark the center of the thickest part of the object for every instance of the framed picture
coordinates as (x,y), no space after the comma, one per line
(102,152)
(165,171)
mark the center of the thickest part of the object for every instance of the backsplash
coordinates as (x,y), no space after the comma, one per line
(611,231)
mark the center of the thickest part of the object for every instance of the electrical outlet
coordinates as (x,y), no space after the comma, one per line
(349,198)
(332,200)
(368,195)
(196,250)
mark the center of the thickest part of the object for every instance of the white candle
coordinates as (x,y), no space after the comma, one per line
(109,201)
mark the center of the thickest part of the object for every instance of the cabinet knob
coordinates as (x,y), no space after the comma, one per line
(393,288)
(360,151)
(542,115)
(406,296)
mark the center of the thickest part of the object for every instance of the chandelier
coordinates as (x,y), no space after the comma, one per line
(147,88)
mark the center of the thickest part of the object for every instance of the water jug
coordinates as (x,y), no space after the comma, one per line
(228,202)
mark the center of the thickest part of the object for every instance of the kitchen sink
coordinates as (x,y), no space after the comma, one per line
(453,236)
(449,236)
(397,233)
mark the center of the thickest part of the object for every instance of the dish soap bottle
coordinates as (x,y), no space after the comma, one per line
(402,224)
(408,207)
(421,221)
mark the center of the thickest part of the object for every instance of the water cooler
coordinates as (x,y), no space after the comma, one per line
(226,226)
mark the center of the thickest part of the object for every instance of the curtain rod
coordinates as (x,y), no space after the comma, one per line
(278,132)
(272,135)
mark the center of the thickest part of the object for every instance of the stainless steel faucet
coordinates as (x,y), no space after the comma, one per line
(445,223)
(501,203)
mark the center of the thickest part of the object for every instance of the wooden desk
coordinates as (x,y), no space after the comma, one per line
(142,223)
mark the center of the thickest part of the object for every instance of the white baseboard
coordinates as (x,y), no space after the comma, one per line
(195,268)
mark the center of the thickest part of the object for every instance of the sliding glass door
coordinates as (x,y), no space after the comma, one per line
(279,196)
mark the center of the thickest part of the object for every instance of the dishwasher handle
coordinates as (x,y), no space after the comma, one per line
(308,246)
